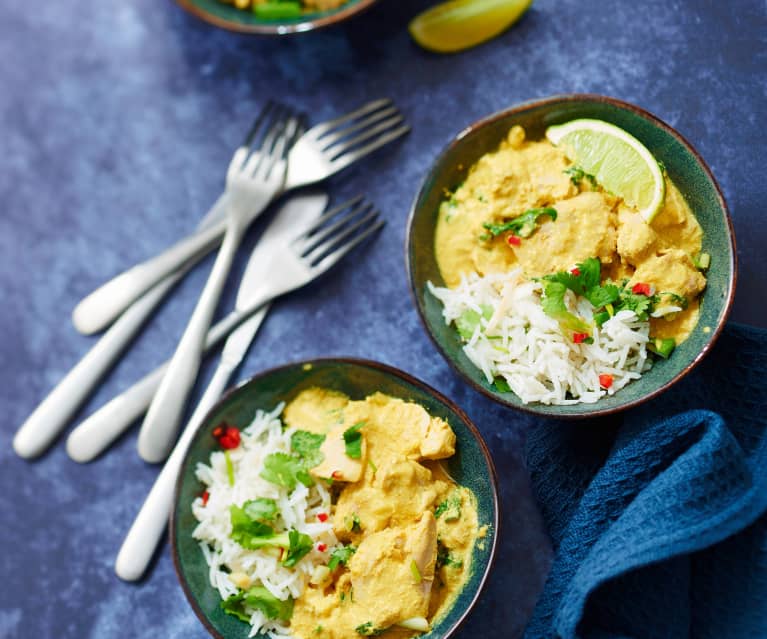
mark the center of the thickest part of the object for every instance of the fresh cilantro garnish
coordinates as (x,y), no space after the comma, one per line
(523,225)
(679,300)
(577,174)
(367,629)
(307,445)
(353,440)
(450,508)
(261,599)
(261,509)
(553,304)
(340,556)
(286,470)
(298,546)
(247,530)
(445,557)
(642,305)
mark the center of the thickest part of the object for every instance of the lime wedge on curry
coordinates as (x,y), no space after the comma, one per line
(459,24)
(618,161)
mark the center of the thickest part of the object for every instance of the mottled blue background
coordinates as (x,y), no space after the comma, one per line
(116,123)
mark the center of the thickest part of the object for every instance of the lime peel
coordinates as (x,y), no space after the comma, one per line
(619,162)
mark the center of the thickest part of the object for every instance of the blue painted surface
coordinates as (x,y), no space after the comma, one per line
(116,127)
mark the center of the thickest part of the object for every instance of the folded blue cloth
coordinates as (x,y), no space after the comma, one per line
(658,517)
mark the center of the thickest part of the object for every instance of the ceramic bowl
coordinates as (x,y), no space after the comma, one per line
(228,17)
(685,167)
(471,466)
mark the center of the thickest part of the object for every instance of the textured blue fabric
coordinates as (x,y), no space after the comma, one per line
(658,518)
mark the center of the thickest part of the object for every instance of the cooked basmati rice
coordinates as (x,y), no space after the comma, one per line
(528,349)
(297,509)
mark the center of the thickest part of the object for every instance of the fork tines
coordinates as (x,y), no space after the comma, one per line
(337,232)
(359,132)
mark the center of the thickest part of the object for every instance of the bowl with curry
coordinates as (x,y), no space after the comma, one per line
(571,256)
(334,499)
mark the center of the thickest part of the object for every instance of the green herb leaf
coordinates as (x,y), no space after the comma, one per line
(307,445)
(353,440)
(467,322)
(367,629)
(501,385)
(261,509)
(600,296)
(286,470)
(247,530)
(523,225)
(300,545)
(261,599)
(642,305)
(340,556)
(553,304)
(445,557)
(577,174)
(450,508)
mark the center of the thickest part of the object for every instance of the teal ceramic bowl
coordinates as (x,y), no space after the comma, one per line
(685,167)
(471,466)
(228,17)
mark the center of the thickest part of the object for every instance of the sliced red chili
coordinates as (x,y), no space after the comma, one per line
(323,517)
(605,380)
(514,240)
(218,431)
(336,474)
(575,271)
(322,547)
(205,497)
(228,436)
(640,288)
(580,337)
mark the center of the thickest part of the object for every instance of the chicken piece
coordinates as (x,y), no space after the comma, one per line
(316,410)
(636,238)
(337,465)
(671,271)
(437,440)
(400,492)
(393,570)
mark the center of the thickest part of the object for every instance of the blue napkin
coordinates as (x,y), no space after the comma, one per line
(658,517)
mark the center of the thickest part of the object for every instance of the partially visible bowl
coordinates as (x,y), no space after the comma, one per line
(685,167)
(228,17)
(471,466)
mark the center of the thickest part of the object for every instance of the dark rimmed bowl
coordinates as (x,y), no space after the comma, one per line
(685,167)
(471,466)
(228,17)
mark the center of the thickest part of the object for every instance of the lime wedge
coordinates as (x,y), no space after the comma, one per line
(618,161)
(460,24)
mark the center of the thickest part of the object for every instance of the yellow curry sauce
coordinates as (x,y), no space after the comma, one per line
(524,174)
(413,528)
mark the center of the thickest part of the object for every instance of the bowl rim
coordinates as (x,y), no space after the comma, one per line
(277,29)
(386,370)
(540,409)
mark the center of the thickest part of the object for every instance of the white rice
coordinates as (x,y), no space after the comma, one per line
(297,509)
(527,348)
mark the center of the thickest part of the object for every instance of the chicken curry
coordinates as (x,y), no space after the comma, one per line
(526,177)
(410,529)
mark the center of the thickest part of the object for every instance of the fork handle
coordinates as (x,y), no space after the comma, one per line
(164,415)
(146,531)
(106,303)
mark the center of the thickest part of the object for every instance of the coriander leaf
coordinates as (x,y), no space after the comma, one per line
(679,300)
(600,296)
(501,385)
(642,305)
(445,557)
(300,545)
(353,440)
(261,509)
(367,629)
(467,322)
(582,278)
(261,599)
(246,530)
(285,470)
(340,556)
(577,174)
(307,445)
(450,508)
(522,225)
(553,304)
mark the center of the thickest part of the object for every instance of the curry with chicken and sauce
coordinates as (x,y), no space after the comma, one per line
(410,527)
(566,218)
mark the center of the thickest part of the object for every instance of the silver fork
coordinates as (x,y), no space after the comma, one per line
(322,151)
(252,181)
(308,256)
